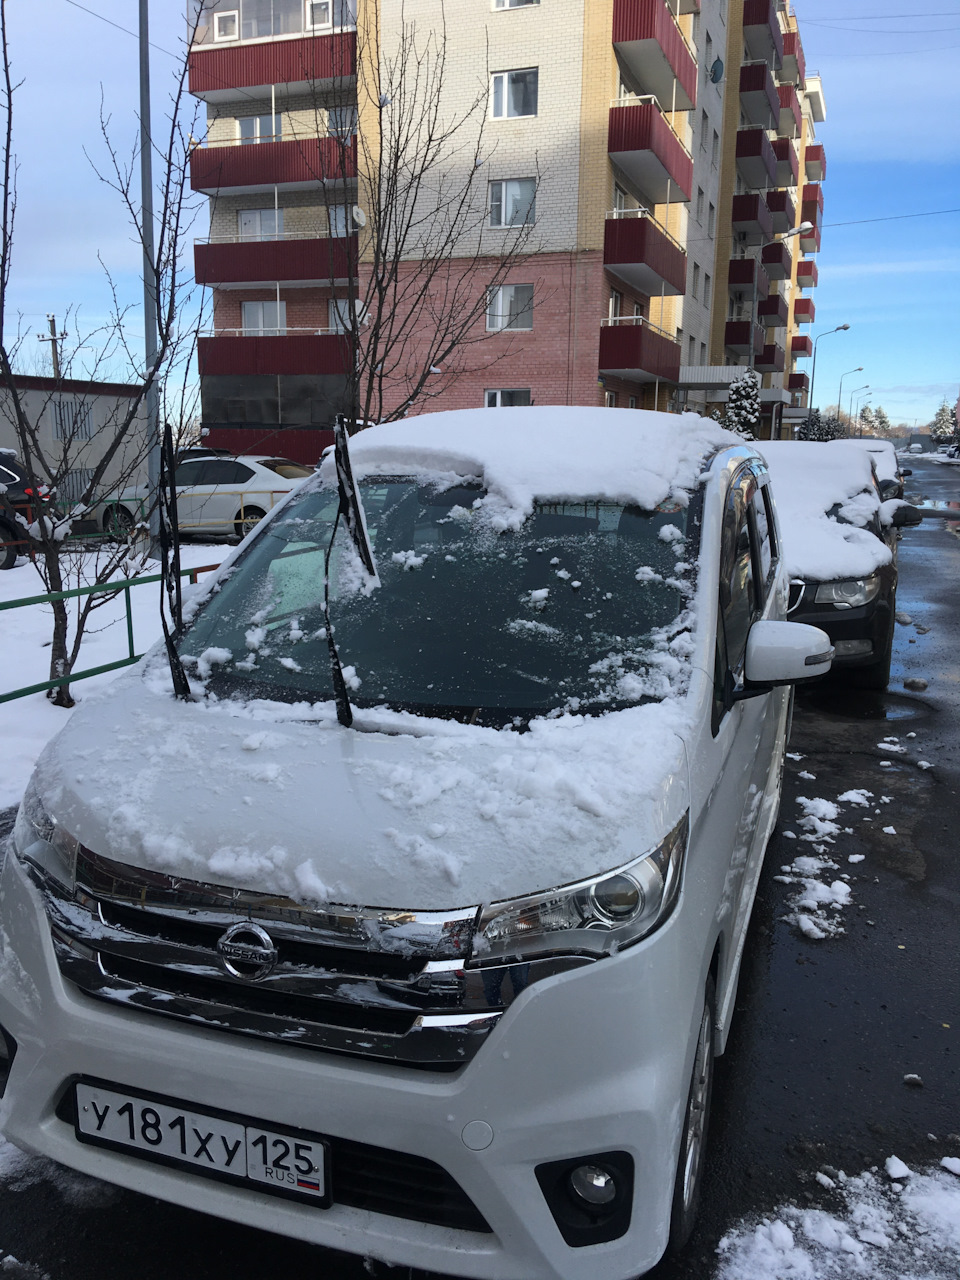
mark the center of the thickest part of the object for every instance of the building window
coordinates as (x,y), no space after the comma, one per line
(632,402)
(695,287)
(615,308)
(72,420)
(638,311)
(711,220)
(610,399)
(341,221)
(513,203)
(507,398)
(700,204)
(706,288)
(260,224)
(715,149)
(260,128)
(691,349)
(225,25)
(319,15)
(703,130)
(510,307)
(619,198)
(515,93)
(264,319)
(513,4)
(341,122)
(708,53)
(703,353)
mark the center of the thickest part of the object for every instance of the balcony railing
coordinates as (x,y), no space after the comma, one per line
(293,351)
(761,31)
(772,359)
(804,311)
(747,274)
(787,168)
(643,253)
(815,162)
(644,144)
(634,349)
(298,163)
(783,211)
(807,274)
(310,260)
(758,94)
(776,260)
(736,336)
(801,346)
(756,161)
(798,382)
(789,111)
(773,312)
(752,219)
(219,71)
(794,68)
(655,50)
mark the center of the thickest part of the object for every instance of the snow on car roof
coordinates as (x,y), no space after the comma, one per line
(808,480)
(552,453)
(883,453)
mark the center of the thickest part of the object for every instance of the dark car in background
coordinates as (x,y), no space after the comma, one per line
(16,499)
(840,532)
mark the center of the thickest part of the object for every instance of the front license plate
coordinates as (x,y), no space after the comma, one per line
(276,1160)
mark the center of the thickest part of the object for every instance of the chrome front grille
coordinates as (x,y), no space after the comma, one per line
(392,985)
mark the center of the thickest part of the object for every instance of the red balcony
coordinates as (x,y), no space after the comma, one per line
(776,260)
(815,162)
(807,275)
(736,337)
(758,95)
(297,164)
(293,353)
(813,195)
(804,311)
(251,262)
(639,353)
(643,255)
(810,242)
(751,219)
(301,66)
(801,346)
(798,382)
(773,312)
(790,116)
(756,160)
(761,31)
(746,274)
(787,168)
(652,47)
(772,359)
(645,147)
(783,211)
(794,67)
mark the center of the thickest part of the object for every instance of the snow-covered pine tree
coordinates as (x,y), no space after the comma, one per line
(881,422)
(944,424)
(816,427)
(743,405)
(867,421)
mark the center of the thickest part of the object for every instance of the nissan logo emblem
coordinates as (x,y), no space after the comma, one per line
(247,951)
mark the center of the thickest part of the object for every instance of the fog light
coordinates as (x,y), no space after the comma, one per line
(852,648)
(593,1185)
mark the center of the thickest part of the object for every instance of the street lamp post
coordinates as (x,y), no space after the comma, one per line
(861,405)
(858,369)
(813,368)
(149,285)
(802,230)
(856,391)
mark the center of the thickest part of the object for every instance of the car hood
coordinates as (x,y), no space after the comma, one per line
(398,812)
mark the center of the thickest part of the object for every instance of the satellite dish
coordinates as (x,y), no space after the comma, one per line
(716,71)
(359,217)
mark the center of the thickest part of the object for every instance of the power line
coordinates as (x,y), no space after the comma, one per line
(895,217)
(894,53)
(109,21)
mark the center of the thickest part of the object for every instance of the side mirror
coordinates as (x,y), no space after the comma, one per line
(906,472)
(781,653)
(907,517)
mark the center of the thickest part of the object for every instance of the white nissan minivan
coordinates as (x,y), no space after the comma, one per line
(399,906)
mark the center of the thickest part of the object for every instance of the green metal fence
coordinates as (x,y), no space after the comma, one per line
(104,588)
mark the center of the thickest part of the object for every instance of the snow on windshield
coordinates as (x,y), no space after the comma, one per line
(812,480)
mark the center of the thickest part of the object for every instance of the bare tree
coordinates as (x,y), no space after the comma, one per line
(72,440)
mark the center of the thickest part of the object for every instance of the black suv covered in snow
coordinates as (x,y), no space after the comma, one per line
(16,498)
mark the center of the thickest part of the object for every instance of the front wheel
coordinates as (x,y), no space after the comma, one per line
(118,522)
(246,520)
(693,1143)
(877,675)
(8,552)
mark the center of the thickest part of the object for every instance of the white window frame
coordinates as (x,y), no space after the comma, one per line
(341,132)
(276,128)
(493,398)
(500,81)
(609,399)
(261,329)
(317,26)
(276,234)
(342,222)
(228,13)
(500,315)
(504,184)
(514,4)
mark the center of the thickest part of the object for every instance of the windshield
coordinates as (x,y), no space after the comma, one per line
(584,608)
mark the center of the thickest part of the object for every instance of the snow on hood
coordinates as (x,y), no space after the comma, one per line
(399,812)
(551,453)
(882,452)
(808,479)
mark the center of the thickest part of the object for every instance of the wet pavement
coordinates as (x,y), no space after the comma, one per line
(825,1030)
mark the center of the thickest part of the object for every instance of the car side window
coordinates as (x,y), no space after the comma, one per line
(740,592)
(225,471)
(765,535)
(188,473)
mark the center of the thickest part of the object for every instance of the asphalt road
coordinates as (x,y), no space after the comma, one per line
(825,1030)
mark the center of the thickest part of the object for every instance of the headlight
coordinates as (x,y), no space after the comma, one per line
(38,839)
(850,593)
(594,918)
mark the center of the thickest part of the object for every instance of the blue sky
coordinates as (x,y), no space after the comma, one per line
(892,140)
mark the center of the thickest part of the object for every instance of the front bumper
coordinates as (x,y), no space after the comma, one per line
(591,1061)
(869,623)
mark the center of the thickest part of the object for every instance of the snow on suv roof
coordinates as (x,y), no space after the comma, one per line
(547,452)
(809,479)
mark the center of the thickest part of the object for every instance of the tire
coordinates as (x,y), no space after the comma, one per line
(251,518)
(696,1119)
(876,676)
(8,554)
(118,522)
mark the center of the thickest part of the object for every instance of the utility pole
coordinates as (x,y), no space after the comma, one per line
(149,284)
(54,339)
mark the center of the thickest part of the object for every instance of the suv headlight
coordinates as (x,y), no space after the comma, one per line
(41,841)
(594,917)
(850,593)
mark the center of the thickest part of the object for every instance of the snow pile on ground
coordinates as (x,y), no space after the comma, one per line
(816,906)
(889,1225)
(18,1171)
(30,722)
(809,479)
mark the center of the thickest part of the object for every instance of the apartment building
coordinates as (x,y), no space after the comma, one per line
(618,133)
